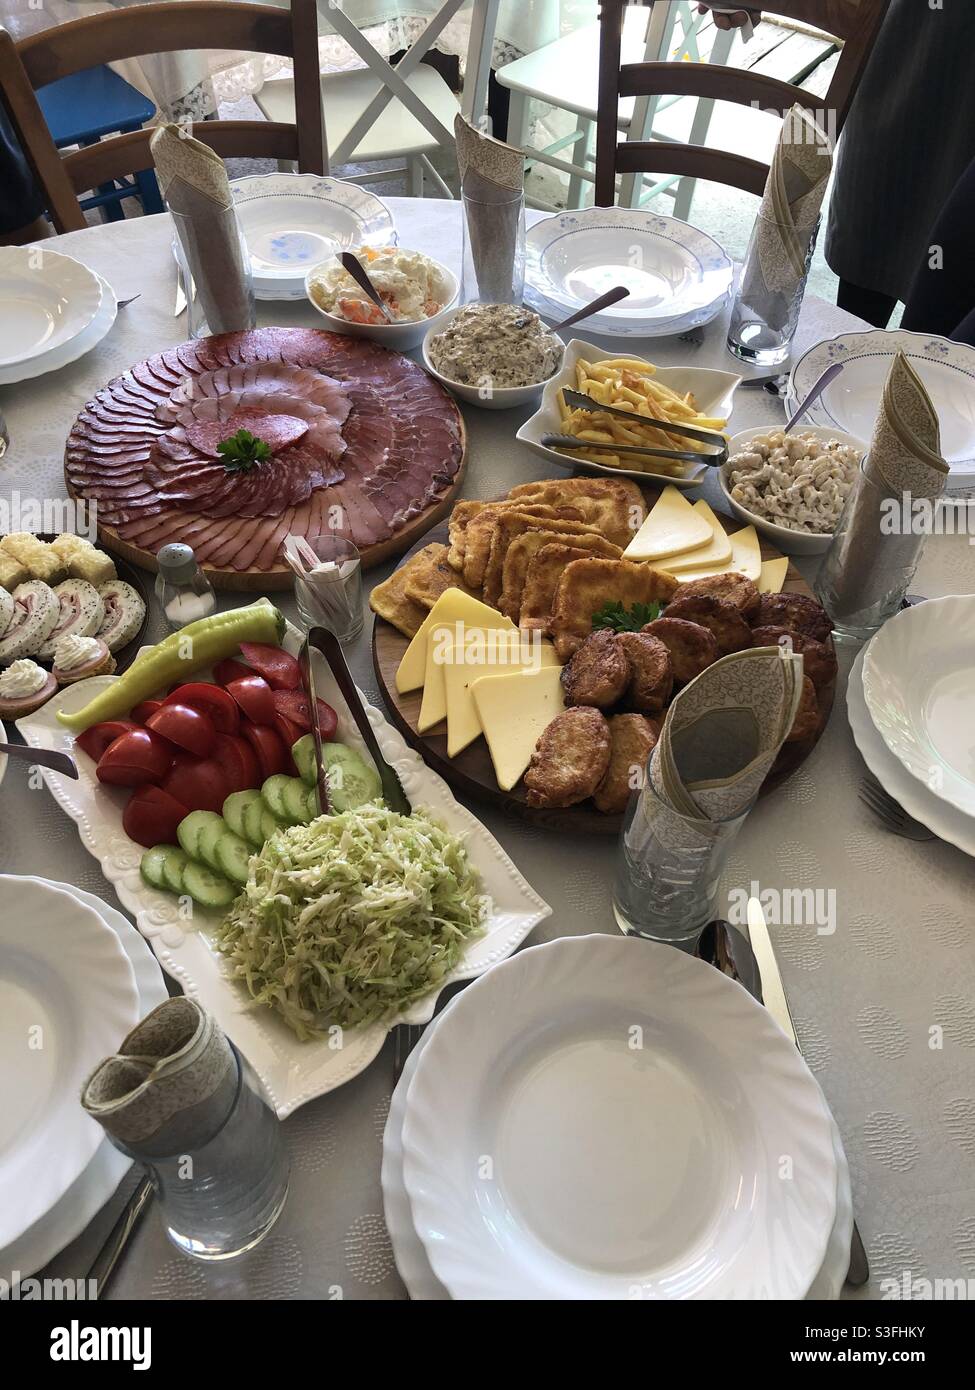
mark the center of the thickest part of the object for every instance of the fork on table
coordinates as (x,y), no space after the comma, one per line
(889,812)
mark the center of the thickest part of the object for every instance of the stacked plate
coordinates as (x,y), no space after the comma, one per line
(53,310)
(601,1118)
(75,977)
(678,277)
(910,697)
(850,402)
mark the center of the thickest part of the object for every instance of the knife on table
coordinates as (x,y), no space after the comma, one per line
(773,996)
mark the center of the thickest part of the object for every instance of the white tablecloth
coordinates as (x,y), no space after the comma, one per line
(868,999)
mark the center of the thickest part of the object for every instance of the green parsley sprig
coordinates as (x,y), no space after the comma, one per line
(619,619)
(243,451)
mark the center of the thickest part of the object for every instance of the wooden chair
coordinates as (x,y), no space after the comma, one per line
(169,27)
(855,22)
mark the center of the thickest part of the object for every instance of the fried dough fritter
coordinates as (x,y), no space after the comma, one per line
(391,601)
(427,575)
(692,647)
(629,508)
(570,758)
(631,741)
(598,673)
(542,581)
(818,658)
(806,722)
(480,532)
(463,514)
(506,528)
(733,588)
(652,672)
(521,554)
(794,611)
(720,617)
(586,585)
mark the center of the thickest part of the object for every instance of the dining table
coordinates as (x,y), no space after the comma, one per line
(881,986)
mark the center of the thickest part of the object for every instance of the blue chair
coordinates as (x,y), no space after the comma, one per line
(80,109)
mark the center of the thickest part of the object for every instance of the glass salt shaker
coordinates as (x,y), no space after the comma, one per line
(183,590)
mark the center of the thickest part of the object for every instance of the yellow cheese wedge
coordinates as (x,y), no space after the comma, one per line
(672,527)
(514,711)
(433,706)
(716,552)
(746,559)
(478,658)
(773,574)
(453,606)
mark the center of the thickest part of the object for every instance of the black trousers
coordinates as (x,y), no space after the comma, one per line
(942,297)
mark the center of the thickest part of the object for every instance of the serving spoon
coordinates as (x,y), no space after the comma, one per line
(612,296)
(354,267)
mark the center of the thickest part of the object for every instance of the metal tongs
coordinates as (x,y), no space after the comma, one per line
(327,644)
(578,401)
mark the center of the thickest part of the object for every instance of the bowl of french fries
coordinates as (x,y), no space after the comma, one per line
(699,397)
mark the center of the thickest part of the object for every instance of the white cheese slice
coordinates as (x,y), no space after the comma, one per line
(773,574)
(672,527)
(746,559)
(514,711)
(483,653)
(453,606)
(716,552)
(433,706)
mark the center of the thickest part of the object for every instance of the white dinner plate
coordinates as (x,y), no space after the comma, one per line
(945,821)
(713,391)
(70,351)
(673,270)
(89,1192)
(46,300)
(594,1121)
(851,401)
(919,685)
(293,1072)
(292,222)
(67,999)
(411,1257)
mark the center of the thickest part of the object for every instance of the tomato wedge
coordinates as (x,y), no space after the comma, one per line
(142,712)
(230,670)
(201,784)
(289,730)
(151,817)
(279,668)
(239,761)
(293,704)
(185,726)
(95,740)
(134,758)
(255,697)
(221,707)
(272,756)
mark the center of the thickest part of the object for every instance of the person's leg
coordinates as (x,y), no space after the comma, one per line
(964,332)
(20,236)
(871,305)
(944,287)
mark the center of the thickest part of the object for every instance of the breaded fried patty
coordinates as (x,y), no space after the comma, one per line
(794,611)
(570,758)
(632,738)
(806,721)
(652,674)
(598,673)
(692,647)
(733,588)
(818,658)
(720,617)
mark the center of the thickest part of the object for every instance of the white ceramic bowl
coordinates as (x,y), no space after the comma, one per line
(398,337)
(499,397)
(788,541)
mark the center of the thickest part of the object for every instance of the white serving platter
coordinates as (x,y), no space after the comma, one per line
(46,300)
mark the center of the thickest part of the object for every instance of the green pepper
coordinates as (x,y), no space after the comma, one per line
(175,658)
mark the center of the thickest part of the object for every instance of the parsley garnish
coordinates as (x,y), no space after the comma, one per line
(620,619)
(243,451)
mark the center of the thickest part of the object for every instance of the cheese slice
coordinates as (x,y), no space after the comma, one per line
(746,559)
(773,574)
(514,711)
(672,527)
(453,606)
(433,706)
(716,552)
(476,658)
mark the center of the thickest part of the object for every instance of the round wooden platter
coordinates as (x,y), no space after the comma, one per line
(472,772)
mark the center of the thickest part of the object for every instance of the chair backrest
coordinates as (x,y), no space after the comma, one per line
(169,27)
(855,22)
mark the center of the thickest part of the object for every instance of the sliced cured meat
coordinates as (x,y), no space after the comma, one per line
(82,612)
(276,431)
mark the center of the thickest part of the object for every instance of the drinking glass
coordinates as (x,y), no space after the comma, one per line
(198,323)
(331,596)
(763,316)
(493,255)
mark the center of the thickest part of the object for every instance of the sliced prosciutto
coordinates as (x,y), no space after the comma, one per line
(358,440)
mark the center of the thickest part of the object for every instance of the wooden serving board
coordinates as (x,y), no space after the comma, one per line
(472,772)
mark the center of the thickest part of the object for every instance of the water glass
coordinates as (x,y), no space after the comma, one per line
(331,596)
(493,254)
(243,311)
(770,293)
(667,870)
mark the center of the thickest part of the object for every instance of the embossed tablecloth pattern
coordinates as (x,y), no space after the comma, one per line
(868,1000)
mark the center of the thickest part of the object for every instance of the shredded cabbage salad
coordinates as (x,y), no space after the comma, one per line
(351,918)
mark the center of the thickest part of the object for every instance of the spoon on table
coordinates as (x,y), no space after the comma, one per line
(830,374)
(612,296)
(357,270)
(41,757)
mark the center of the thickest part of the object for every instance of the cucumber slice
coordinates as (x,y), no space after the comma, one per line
(254,814)
(173,868)
(273,794)
(212,832)
(233,857)
(269,824)
(311,802)
(152,867)
(207,888)
(351,780)
(303,753)
(191,827)
(235,809)
(295,803)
